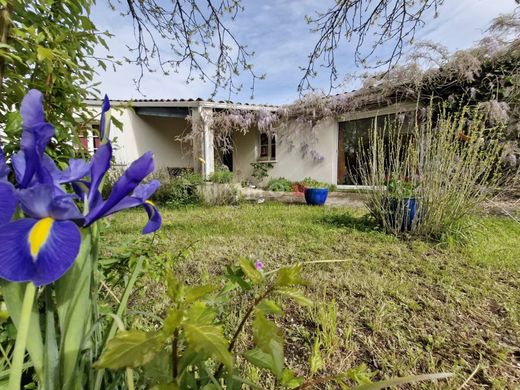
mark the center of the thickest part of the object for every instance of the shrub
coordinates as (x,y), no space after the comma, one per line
(222,175)
(447,164)
(309,182)
(220,194)
(280,184)
(110,179)
(178,191)
(261,170)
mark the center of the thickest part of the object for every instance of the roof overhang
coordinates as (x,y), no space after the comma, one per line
(183,104)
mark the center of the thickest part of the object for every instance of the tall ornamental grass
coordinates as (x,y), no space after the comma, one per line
(447,163)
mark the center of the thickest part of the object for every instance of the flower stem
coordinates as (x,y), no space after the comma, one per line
(241,325)
(15,377)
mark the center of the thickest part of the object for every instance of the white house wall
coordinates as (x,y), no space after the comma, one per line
(290,162)
(140,134)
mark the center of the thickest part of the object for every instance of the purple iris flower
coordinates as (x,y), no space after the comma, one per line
(35,136)
(127,192)
(43,245)
(104,125)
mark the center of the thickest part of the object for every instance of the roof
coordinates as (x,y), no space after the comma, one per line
(184,103)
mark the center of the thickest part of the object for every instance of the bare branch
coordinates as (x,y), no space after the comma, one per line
(371,24)
(191,33)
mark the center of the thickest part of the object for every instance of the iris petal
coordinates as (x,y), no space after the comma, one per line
(58,253)
(41,201)
(76,170)
(16,262)
(126,184)
(4,169)
(99,166)
(36,134)
(104,124)
(54,254)
(7,202)
(155,219)
(32,108)
(140,198)
(141,194)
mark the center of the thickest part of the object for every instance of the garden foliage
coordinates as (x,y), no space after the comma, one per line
(446,163)
(49,46)
(178,191)
(192,350)
(222,175)
(280,184)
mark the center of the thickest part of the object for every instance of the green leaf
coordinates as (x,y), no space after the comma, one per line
(268,306)
(74,304)
(290,276)
(250,271)
(316,362)
(291,381)
(166,386)
(295,295)
(44,54)
(175,288)
(269,339)
(259,358)
(210,340)
(188,358)
(132,348)
(13,294)
(201,314)
(51,356)
(197,292)
(119,313)
(173,321)
(402,381)
(159,369)
(210,386)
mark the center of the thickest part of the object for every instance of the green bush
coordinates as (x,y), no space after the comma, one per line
(280,184)
(222,176)
(110,179)
(448,164)
(181,190)
(261,170)
(220,194)
(309,182)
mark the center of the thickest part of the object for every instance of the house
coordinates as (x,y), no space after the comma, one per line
(162,127)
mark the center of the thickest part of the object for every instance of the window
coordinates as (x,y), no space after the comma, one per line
(267,147)
(89,139)
(354,141)
(96,141)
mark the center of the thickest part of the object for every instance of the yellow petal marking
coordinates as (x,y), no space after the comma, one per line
(149,202)
(39,234)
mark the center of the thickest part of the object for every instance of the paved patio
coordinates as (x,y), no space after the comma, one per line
(337,198)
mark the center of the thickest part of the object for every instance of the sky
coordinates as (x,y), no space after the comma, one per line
(281,39)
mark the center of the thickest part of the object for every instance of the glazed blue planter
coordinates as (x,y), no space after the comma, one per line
(316,196)
(409,207)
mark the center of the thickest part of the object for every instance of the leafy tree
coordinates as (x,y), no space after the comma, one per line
(48,45)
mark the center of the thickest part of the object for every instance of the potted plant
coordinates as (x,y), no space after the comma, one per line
(315,192)
(401,203)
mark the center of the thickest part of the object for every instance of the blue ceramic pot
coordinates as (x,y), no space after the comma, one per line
(408,208)
(316,196)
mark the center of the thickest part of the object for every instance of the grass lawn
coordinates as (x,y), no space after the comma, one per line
(403,307)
